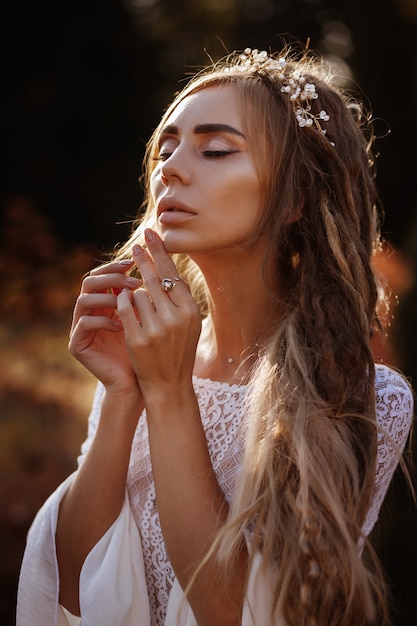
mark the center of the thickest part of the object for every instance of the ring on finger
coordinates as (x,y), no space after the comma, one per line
(169,283)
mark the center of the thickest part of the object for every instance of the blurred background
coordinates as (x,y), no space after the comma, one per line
(83,85)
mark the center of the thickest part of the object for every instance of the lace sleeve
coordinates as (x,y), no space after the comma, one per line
(394,414)
(92,421)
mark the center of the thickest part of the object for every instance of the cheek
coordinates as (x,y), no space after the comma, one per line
(244,190)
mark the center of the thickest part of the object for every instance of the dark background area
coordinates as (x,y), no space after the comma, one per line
(83,85)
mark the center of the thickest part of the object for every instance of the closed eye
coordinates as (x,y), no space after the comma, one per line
(162,156)
(212,154)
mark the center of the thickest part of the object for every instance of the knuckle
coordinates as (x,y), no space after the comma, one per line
(90,277)
(73,345)
(152,336)
(82,322)
(171,324)
(135,344)
(82,300)
(85,283)
(140,296)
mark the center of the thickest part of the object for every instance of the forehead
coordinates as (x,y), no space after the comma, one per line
(214,104)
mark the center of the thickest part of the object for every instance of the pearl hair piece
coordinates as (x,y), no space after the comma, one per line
(300,92)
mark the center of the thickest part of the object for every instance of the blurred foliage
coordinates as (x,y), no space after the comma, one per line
(44,393)
(83,85)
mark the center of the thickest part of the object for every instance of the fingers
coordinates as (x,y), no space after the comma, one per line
(90,323)
(114,266)
(161,328)
(82,332)
(89,304)
(126,312)
(151,308)
(156,265)
(110,276)
(142,312)
(100,288)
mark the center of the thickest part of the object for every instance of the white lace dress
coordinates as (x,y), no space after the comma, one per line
(127,579)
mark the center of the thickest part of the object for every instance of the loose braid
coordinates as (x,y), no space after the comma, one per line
(314,387)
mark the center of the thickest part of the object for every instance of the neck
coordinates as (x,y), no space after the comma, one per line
(241,314)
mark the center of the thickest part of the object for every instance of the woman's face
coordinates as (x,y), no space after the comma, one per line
(205,187)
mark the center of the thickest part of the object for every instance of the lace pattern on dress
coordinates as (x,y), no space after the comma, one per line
(222,406)
(394,413)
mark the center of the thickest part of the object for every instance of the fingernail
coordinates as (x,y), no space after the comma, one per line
(149,234)
(126,291)
(134,281)
(126,262)
(137,250)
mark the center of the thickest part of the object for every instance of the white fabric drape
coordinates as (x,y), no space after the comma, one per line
(113,586)
(112,581)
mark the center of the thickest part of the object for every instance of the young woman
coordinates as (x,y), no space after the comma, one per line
(241,440)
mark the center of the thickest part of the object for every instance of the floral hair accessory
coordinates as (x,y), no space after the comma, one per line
(300,92)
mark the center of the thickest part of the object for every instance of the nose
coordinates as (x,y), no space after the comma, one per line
(176,168)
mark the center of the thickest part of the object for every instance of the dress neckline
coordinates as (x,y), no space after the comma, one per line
(380,368)
(218,384)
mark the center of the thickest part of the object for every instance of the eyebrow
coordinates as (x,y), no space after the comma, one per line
(204,129)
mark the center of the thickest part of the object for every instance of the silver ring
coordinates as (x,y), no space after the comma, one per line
(167,284)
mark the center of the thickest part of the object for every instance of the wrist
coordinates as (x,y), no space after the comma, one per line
(168,395)
(123,402)
(172,408)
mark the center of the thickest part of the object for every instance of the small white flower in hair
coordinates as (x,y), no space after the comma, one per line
(300,92)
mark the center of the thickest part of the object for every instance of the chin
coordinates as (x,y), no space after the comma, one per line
(174,244)
(176,237)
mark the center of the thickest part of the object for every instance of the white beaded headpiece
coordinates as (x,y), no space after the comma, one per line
(300,92)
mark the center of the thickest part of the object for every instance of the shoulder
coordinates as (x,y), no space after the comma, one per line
(394,415)
(394,401)
(388,377)
(390,385)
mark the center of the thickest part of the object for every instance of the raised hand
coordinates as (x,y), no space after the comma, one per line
(96,336)
(162,327)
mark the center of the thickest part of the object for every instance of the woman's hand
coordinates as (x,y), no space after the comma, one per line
(162,335)
(161,340)
(96,336)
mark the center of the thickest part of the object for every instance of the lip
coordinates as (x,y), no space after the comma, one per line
(172,212)
(169,204)
(175,217)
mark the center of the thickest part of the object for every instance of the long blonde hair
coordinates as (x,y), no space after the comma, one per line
(310,453)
